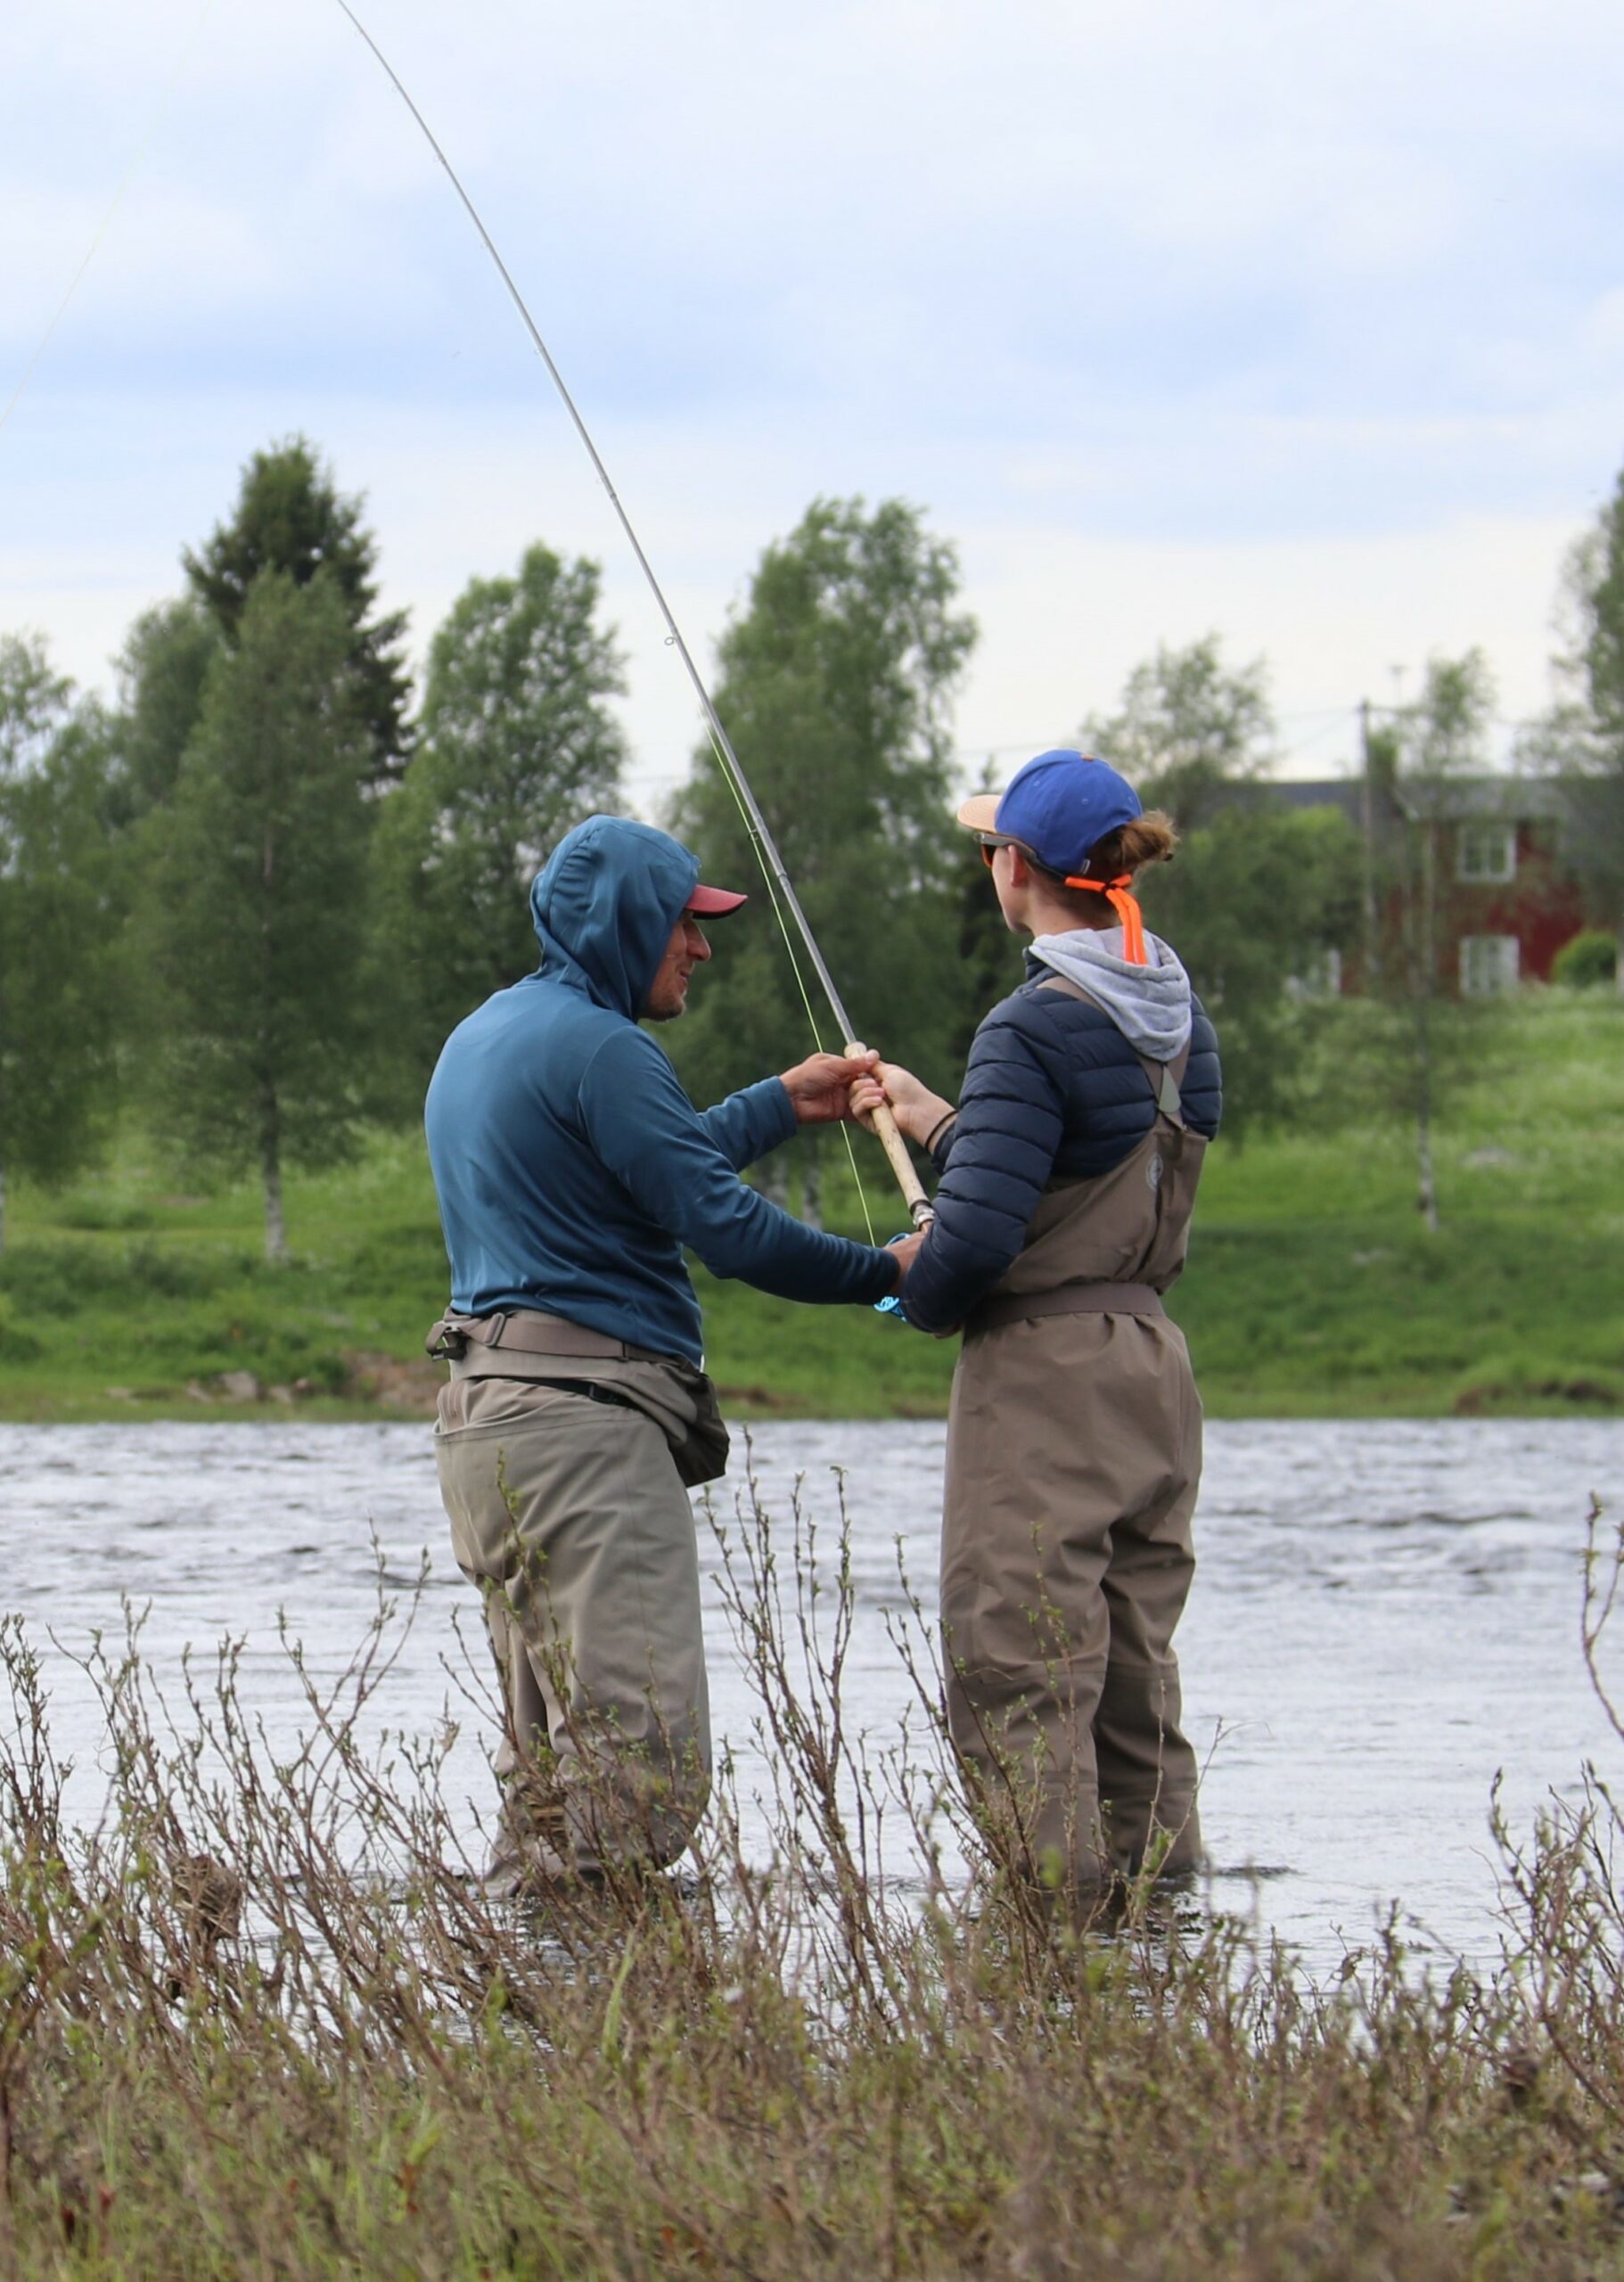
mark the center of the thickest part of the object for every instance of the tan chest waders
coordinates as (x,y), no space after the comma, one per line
(1073,1457)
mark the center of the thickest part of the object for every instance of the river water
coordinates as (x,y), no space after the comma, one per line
(1387,1615)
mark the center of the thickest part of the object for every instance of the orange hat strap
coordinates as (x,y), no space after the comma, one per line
(1116,892)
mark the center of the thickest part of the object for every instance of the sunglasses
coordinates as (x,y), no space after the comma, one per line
(990,845)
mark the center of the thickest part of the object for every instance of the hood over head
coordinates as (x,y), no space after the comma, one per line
(1150,1005)
(604,905)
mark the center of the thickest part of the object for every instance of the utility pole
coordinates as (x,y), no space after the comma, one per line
(1373,917)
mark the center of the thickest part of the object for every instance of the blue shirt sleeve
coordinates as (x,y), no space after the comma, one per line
(750,1123)
(996,1156)
(644,1129)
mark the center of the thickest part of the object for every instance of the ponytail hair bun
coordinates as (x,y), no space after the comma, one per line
(1149,838)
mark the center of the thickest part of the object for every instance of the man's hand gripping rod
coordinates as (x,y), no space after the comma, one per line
(771,863)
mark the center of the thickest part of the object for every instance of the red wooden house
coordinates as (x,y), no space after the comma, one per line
(1507,896)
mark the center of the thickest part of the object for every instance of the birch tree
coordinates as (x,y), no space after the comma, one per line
(1582,739)
(1258,893)
(836,682)
(256,915)
(516,744)
(1188,730)
(56,923)
(163,670)
(1398,1054)
(1441,738)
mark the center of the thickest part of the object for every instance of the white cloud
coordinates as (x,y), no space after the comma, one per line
(1303,324)
(1333,618)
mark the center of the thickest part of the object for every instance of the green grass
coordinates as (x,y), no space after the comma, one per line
(1312,1288)
(127,1285)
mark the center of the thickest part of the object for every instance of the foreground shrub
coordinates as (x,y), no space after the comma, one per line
(1589,959)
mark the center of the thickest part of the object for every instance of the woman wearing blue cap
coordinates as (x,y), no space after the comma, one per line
(1068,1171)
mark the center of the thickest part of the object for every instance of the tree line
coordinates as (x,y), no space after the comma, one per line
(247,898)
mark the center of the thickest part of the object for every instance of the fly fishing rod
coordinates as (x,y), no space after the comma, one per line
(766,849)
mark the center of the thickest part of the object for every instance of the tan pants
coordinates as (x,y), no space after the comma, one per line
(569,1516)
(1073,1457)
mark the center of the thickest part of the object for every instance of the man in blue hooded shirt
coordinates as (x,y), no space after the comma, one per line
(571,1171)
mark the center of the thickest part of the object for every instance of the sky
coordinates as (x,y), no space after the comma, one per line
(1300,325)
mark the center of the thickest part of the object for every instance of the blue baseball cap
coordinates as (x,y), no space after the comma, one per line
(1057,807)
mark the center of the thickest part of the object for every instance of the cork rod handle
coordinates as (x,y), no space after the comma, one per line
(896,1148)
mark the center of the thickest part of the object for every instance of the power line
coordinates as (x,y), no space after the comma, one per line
(183,57)
(1330,715)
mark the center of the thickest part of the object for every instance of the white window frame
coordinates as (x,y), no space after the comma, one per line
(1486,852)
(1490,965)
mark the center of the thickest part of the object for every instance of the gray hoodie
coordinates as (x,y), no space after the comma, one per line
(1150,1005)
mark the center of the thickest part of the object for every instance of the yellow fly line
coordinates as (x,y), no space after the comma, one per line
(780,886)
(721,758)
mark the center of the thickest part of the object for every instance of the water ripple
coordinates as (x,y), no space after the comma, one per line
(1386,1613)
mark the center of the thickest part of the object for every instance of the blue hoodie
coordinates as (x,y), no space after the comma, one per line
(571,1168)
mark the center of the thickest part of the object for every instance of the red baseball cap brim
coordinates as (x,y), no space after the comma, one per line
(713,903)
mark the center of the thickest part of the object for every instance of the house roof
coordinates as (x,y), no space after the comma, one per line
(1448,800)
(1344,793)
(1505,799)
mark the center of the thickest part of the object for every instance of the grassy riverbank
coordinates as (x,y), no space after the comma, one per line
(254,2025)
(1312,1289)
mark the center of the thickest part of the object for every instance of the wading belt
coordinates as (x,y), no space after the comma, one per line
(1067,1300)
(530,1331)
(524,1342)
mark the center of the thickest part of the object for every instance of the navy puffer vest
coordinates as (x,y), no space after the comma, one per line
(1053,1091)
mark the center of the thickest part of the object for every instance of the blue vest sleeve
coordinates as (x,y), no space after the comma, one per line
(1012,1113)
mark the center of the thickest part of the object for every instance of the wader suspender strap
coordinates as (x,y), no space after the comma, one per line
(1165,1077)
(1098,1298)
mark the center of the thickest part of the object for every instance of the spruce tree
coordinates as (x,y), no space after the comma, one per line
(291,517)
